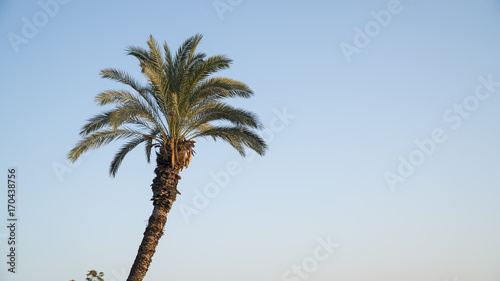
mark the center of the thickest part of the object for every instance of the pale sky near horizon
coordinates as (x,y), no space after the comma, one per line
(382,119)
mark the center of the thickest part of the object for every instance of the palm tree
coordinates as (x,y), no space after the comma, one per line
(179,103)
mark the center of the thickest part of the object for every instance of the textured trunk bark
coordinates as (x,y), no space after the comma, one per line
(164,194)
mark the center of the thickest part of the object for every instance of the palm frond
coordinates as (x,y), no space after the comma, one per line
(217,111)
(238,137)
(207,67)
(219,87)
(140,53)
(95,123)
(98,139)
(118,158)
(134,111)
(114,96)
(168,54)
(149,143)
(122,77)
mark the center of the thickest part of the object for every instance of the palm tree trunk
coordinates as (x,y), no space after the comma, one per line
(164,194)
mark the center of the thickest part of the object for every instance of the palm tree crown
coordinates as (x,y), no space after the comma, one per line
(179,103)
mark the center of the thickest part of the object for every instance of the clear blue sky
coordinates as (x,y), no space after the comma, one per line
(352,116)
